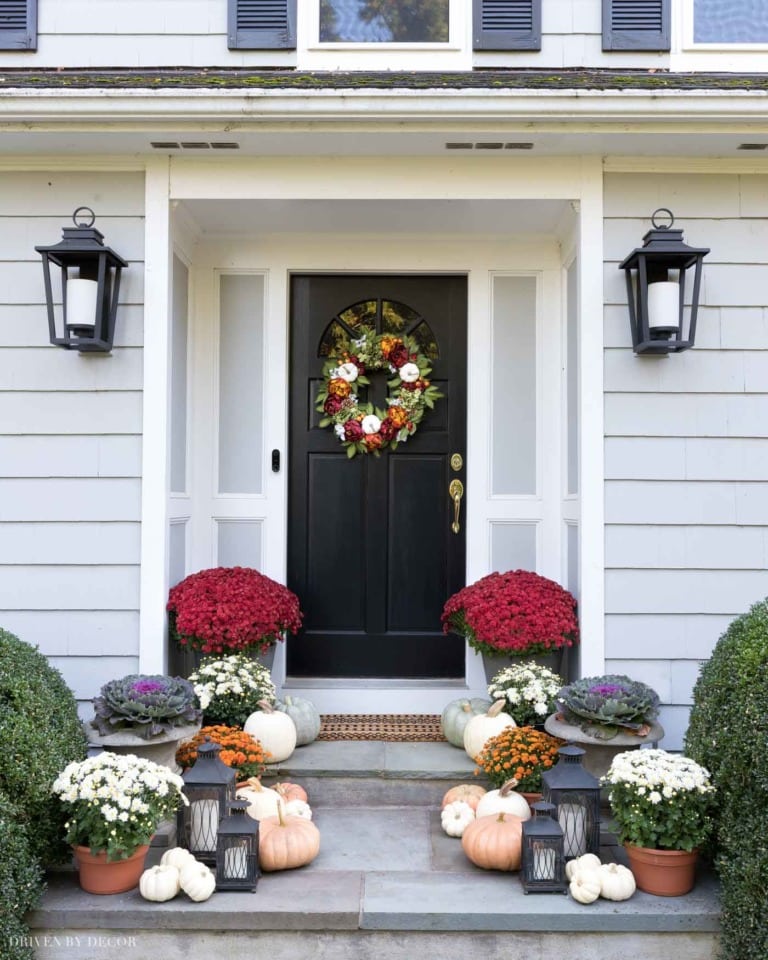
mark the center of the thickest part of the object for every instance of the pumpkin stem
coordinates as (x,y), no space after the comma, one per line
(280,812)
(507,787)
(466,706)
(254,783)
(496,709)
(265,707)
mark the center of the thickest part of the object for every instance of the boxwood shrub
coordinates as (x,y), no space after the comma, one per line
(21,884)
(728,734)
(40,733)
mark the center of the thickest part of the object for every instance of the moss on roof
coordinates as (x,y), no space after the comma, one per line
(213,78)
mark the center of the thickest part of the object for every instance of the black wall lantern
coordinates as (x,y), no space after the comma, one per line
(90,285)
(656,289)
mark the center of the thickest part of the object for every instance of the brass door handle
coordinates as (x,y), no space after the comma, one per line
(456,492)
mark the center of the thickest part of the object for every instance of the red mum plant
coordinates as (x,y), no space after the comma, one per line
(518,613)
(229,609)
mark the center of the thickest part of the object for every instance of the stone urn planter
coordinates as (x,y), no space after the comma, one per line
(160,749)
(599,753)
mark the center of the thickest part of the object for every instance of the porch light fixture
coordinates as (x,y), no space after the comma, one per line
(543,857)
(575,794)
(81,313)
(237,849)
(656,292)
(209,785)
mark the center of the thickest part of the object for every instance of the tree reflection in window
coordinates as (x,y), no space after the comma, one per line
(384,316)
(384,21)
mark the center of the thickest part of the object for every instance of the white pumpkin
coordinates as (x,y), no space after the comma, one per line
(298,808)
(262,801)
(616,882)
(176,857)
(160,883)
(197,881)
(586,862)
(585,886)
(275,731)
(481,728)
(455,817)
(504,800)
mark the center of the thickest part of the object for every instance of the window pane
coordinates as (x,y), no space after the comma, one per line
(239,543)
(513,546)
(731,21)
(384,21)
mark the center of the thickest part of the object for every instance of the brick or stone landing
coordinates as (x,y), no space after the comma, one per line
(388,884)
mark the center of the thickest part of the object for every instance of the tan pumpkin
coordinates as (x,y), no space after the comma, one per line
(262,801)
(287,842)
(290,791)
(469,793)
(494,843)
(504,800)
(480,729)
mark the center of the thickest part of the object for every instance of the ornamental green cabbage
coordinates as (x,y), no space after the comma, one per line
(147,706)
(606,705)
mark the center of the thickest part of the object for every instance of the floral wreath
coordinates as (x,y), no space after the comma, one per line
(361,428)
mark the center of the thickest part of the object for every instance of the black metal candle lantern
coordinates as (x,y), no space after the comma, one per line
(575,794)
(656,275)
(543,858)
(90,285)
(209,785)
(237,849)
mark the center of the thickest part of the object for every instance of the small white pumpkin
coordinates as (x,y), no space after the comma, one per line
(616,882)
(504,800)
(197,881)
(456,817)
(262,801)
(275,731)
(585,887)
(481,728)
(298,808)
(160,883)
(586,862)
(176,857)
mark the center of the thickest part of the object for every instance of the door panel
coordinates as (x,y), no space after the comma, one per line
(371,553)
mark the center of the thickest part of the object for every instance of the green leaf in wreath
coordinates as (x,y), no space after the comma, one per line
(351,451)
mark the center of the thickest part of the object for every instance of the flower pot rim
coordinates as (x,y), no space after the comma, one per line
(126,737)
(569,731)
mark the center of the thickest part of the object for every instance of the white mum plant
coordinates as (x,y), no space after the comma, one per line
(528,691)
(229,688)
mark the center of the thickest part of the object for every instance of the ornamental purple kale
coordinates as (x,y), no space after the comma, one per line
(145,705)
(606,705)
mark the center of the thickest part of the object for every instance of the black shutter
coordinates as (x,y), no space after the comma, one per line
(636,24)
(507,25)
(262,25)
(18,24)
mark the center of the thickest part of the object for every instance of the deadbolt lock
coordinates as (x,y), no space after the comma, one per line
(457,462)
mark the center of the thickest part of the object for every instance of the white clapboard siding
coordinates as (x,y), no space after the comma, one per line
(674,720)
(635,196)
(691,372)
(85,676)
(686,547)
(31,544)
(70,456)
(52,198)
(742,240)
(692,458)
(682,636)
(25,325)
(21,282)
(69,499)
(19,235)
(69,588)
(76,633)
(680,415)
(719,328)
(75,413)
(684,591)
(37,368)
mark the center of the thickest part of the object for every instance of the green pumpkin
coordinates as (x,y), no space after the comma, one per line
(457,715)
(304,715)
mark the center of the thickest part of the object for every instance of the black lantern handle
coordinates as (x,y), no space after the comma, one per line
(88,210)
(663,226)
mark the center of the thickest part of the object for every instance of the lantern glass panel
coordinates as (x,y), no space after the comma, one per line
(209,786)
(237,850)
(543,860)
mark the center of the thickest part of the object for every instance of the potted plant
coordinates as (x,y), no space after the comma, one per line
(229,689)
(146,715)
(227,610)
(522,754)
(238,749)
(113,805)
(514,614)
(660,804)
(528,691)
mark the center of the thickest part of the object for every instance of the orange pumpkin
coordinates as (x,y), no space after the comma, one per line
(287,842)
(494,842)
(291,791)
(468,792)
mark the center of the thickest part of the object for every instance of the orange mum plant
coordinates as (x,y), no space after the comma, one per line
(520,752)
(238,749)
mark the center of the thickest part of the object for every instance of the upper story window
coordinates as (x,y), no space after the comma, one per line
(730,21)
(384,21)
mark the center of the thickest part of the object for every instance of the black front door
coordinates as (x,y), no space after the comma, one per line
(372,553)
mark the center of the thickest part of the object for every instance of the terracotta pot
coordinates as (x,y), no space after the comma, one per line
(664,873)
(532,798)
(102,876)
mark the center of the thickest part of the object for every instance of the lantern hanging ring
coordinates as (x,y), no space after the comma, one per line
(666,212)
(83,223)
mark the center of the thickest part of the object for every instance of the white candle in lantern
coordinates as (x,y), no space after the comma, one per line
(204,820)
(81,302)
(663,305)
(572,817)
(235,863)
(543,862)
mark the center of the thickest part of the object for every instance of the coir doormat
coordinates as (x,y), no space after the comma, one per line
(405,727)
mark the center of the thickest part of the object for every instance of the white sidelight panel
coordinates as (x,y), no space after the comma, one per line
(241,378)
(513,546)
(177,551)
(239,543)
(179,340)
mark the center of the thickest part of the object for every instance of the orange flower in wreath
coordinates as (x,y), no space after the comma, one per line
(339,388)
(398,416)
(388,344)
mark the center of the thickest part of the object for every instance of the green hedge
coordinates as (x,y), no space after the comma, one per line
(728,734)
(21,885)
(40,733)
